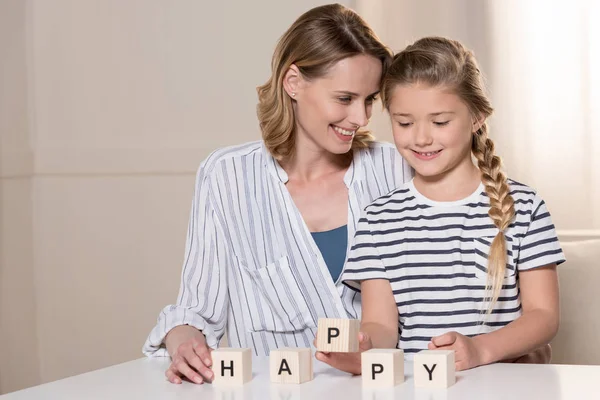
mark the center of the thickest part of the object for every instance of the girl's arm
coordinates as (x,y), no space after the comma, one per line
(538,324)
(378,329)
(534,328)
(379,313)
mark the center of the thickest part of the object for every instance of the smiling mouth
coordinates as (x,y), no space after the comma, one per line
(342,131)
(428,153)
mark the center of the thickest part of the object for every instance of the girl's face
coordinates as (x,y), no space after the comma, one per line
(330,109)
(433,130)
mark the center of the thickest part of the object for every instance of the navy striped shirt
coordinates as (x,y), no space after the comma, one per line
(434,255)
(251,265)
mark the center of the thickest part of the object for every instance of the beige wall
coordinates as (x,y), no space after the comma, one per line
(400,22)
(19,363)
(106,109)
(545,124)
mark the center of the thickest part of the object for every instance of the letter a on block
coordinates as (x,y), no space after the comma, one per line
(231,366)
(291,365)
(382,367)
(338,335)
(434,369)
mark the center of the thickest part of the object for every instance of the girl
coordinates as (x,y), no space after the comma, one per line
(460,258)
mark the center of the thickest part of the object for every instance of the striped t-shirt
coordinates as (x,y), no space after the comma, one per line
(435,256)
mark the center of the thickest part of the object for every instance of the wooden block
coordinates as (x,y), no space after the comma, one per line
(338,335)
(231,366)
(291,365)
(382,367)
(434,369)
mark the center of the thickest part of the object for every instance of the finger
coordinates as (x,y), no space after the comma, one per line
(444,340)
(364,342)
(432,346)
(202,350)
(458,353)
(195,362)
(321,356)
(172,376)
(184,369)
(347,362)
(324,357)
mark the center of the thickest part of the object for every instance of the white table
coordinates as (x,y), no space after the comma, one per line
(144,379)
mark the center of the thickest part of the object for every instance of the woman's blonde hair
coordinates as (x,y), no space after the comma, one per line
(446,63)
(316,41)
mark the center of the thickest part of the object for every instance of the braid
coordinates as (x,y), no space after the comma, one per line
(502,209)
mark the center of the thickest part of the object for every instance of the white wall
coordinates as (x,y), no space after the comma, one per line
(106,109)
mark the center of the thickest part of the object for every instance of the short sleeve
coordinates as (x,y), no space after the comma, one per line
(540,246)
(364,261)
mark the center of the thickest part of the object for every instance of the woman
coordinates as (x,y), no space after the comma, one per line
(271,220)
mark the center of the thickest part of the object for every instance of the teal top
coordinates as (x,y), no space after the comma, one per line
(333,245)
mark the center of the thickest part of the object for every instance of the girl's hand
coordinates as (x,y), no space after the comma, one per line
(541,355)
(467,351)
(347,362)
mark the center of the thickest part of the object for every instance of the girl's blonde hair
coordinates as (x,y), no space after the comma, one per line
(316,41)
(446,63)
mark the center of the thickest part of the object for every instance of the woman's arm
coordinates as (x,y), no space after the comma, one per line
(188,329)
(534,328)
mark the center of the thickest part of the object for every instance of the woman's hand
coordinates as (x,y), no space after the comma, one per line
(190,355)
(347,362)
(467,351)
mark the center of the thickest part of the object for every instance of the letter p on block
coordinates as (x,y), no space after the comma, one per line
(338,335)
(382,367)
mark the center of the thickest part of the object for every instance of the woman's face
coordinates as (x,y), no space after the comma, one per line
(330,109)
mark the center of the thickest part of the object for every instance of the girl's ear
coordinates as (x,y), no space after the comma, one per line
(292,81)
(478,122)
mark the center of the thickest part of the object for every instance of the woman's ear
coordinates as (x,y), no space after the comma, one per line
(292,81)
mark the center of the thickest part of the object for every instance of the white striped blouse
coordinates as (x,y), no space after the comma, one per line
(252,268)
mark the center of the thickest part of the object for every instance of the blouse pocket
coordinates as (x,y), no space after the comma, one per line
(279,305)
(482,245)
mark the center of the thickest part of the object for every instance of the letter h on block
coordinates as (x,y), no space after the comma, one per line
(231,366)
(291,365)
(338,335)
(434,369)
(382,367)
